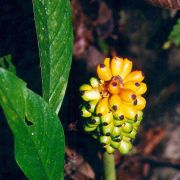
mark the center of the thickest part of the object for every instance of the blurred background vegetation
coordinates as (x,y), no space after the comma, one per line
(128,28)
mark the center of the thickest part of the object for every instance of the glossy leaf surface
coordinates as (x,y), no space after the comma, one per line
(38,134)
(55,39)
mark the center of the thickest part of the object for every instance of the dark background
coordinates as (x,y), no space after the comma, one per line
(128,28)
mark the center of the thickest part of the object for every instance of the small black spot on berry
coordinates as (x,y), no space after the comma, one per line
(137,84)
(114,84)
(121,117)
(93,121)
(135,102)
(102,66)
(119,126)
(108,134)
(117,140)
(115,107)
(99,114)
(133,96)
(136,117)
(118,136)
(104,123)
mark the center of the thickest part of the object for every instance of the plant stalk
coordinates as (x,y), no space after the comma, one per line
(109,166)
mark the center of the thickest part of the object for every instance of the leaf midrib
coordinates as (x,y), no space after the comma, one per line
(48,92)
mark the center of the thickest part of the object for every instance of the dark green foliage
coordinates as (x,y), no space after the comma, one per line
(55,37)
(175,34)
(38,134)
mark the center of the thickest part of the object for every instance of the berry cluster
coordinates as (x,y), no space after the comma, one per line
(113,104)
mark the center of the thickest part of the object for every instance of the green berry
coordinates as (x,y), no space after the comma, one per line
(114,144)
(105,140)
(125,138)
(85,113)
(92,105)
(91,95)
(118,114)
(94,120)
(107,118)
(94,82)
(117,138)
(136,124)
(118,122)
(132,134)
(116,131)
(139,115)
(107,130)
(124,147)
(129,121)
(109,149)
(89,129)
(127,127)
(85,87)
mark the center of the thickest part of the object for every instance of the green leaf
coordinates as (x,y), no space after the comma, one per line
(175,34)
(6,63)
(55,40)
(38,134)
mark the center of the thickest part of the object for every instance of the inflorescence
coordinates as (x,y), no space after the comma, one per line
(113,104)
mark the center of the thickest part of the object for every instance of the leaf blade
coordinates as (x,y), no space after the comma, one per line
(174,35)
(55,39)
(38,134)
(6,63)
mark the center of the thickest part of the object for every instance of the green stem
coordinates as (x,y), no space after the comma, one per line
(109,166)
